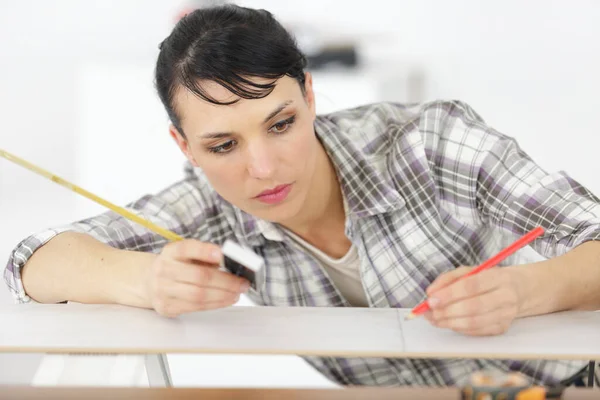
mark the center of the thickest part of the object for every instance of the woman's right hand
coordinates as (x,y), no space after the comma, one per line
(185,277)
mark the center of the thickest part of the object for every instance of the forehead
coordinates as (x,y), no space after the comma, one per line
(198,115)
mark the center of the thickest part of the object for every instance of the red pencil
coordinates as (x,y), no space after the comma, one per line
(523,241)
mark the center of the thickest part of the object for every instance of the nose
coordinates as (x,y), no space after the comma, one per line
(261,162)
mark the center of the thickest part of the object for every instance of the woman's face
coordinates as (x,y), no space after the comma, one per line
(259,154)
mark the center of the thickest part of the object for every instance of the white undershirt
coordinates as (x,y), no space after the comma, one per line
(344,272)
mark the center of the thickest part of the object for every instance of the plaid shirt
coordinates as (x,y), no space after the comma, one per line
(426,188)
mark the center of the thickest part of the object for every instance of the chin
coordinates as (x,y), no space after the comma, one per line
(279,213)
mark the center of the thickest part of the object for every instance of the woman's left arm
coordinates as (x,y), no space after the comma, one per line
(515,195)
(487,303)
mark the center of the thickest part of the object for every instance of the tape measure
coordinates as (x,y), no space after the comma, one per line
(503,386)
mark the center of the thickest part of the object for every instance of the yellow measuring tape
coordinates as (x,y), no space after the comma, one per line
(119,210)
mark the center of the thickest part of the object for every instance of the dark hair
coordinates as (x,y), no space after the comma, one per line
(228,45)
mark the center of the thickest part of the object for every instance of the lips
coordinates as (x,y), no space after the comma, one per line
(274,191)
(275,195)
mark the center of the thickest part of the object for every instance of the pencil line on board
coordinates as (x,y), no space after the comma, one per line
(400,319)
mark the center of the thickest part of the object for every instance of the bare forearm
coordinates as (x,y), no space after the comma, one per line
(76,267)
(568,282)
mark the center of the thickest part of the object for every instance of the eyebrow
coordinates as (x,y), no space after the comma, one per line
(220,135)
(277,110)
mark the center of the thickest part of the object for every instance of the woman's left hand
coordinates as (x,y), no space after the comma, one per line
(479,305)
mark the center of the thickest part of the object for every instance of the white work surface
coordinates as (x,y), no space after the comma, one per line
(360,332)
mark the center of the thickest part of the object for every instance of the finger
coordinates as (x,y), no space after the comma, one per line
(175,307)
(479,304)
(428,316)
(476,323)
(447,278)
(190,250)
(207,277)
(470,286)
(197,294)
(489,330)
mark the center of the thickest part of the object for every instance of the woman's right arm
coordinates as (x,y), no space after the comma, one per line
(109,259)
(184,277)
(76,267)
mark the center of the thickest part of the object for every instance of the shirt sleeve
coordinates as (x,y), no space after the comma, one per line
(182,208)
(512,192)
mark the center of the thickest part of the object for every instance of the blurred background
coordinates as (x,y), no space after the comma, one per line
(77,98)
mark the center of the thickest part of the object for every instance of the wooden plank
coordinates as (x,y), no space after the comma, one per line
(30,393)
(351,332)
(215,394)
(236,330)
(566,335)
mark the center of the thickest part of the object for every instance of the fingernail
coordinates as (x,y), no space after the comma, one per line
(433,302)
(216,255)
(245,286)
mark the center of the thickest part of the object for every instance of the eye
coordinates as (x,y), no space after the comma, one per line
(282,126)
(223,148)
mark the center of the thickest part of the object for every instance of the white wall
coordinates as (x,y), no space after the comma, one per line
(76,91)
(44,44)
(530,68)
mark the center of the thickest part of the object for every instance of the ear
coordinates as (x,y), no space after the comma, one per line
(183,144)
(309,94)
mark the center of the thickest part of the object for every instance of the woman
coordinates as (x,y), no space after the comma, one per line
(376,206)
